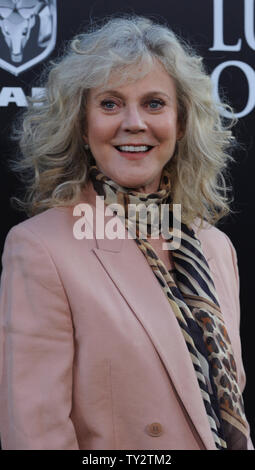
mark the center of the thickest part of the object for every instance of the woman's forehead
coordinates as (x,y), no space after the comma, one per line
(130,74)
(126,75)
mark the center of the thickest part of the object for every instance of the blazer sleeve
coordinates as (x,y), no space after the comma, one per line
(36,354)
(242,379)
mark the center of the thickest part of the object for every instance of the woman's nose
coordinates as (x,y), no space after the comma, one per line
(133,120)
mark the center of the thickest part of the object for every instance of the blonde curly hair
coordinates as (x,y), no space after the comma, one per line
(54,162)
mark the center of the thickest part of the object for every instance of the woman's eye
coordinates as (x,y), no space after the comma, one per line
(108,104)
(156,104)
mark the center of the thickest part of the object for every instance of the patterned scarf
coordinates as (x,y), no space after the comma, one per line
(194,301)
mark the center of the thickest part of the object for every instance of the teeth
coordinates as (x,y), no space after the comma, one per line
(132,148)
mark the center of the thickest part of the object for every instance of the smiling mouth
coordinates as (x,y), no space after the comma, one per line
(133,149)
(132,152)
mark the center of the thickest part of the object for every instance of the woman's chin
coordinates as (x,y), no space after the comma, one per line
(142,185)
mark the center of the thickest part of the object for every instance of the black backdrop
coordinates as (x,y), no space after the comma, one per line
(223,32)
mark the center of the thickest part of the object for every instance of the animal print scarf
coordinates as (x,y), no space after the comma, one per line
(193,299)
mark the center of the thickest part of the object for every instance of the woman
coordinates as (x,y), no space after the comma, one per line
(113,342)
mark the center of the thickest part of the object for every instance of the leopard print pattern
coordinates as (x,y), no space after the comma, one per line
(223,365)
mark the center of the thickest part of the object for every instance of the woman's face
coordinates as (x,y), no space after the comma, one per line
(132,129)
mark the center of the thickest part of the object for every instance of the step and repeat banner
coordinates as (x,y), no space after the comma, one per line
(33,32)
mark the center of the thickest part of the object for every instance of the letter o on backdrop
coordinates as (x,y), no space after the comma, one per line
(250,76)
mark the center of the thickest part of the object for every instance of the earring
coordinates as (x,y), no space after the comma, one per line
(86,146)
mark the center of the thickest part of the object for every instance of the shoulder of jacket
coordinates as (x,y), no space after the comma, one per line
(214,241)
(45,223)
(52,228)
(209,232)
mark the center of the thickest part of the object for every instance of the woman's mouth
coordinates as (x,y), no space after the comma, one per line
(134,152)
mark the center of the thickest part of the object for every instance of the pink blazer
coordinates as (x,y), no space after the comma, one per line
(92,356)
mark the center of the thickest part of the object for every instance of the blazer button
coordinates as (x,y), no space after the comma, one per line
(154,429)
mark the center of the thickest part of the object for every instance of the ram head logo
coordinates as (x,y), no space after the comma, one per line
(27,33)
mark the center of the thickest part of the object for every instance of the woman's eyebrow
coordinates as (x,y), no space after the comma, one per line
(109,92)
(120,95)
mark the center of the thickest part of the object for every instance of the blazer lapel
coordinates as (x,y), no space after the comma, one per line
(142,292)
